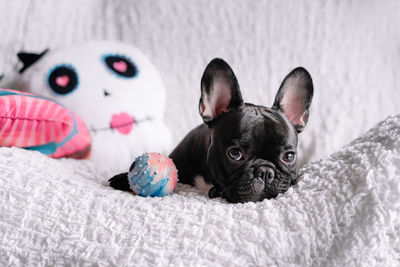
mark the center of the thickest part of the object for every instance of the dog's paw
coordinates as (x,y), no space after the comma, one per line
(120,182)
(214,192)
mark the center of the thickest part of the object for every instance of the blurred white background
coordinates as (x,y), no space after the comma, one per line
(351,49)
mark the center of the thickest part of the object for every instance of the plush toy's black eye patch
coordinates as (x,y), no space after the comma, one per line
(121,65)
(28,59)
(63,79)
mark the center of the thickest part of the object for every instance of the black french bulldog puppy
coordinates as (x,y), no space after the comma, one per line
(246,152)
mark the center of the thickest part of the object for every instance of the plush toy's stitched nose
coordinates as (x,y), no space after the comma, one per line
(106,93)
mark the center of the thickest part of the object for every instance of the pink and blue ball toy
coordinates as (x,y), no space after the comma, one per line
(153,174)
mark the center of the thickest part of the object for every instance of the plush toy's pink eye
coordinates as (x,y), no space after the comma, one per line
(63,79)
(120,65)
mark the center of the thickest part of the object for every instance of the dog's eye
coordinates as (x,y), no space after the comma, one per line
(235,153)
(289,157)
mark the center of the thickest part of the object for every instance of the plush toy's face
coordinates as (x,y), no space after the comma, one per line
(96,79)
(112,86)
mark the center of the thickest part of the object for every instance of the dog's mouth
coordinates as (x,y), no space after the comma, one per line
(122,123)
(249,187)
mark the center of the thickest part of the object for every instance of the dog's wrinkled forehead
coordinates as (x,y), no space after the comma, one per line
(267,125)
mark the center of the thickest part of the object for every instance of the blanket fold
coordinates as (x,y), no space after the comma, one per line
(344,211)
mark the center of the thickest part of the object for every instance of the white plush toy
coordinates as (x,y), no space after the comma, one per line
(113,87)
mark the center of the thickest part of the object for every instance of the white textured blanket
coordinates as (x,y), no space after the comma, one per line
(344,211)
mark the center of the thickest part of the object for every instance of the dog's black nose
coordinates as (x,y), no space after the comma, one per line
(266,173)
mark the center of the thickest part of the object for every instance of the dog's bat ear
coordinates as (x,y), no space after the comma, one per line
(28,59)
(294,97)
(220,90)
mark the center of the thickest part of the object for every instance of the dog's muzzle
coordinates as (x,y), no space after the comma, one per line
(256,181)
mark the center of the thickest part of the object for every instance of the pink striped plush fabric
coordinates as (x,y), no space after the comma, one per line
(37,123)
